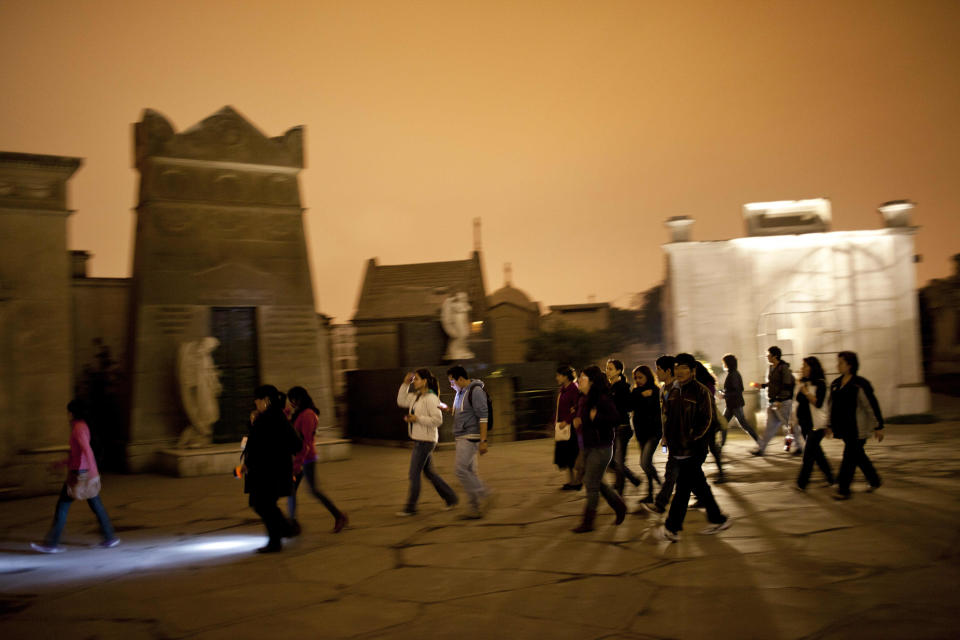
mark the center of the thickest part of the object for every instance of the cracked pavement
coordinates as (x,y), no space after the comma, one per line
(881,565)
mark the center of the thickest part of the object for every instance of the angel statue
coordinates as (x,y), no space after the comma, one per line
(455,319)
(199,390)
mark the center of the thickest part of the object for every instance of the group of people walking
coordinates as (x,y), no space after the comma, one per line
(597,413)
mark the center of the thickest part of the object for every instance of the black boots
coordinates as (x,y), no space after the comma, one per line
(587,523)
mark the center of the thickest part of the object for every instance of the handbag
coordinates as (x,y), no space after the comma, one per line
(85,488)
(561,431)
(866,418)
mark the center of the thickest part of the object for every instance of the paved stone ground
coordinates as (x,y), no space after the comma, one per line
(882,565)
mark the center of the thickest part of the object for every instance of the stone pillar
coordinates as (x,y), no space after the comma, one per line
(36,368)
(219,224)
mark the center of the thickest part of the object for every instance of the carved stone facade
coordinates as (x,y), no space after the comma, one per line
(35,322)
(219,248)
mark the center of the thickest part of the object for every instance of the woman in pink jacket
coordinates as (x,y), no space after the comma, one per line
(83,483)
(305,417)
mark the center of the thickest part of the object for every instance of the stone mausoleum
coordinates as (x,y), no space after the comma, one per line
(219,251)
(794,283)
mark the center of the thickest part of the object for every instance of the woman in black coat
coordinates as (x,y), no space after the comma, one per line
(647,423)
(268,463)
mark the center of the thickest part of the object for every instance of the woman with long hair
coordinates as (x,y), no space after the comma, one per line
(305,417)
(647,423)
(82,483)
(268,463)
(704,377)
(423,419)
(811,395)
(565,451)
(733,396)
(597,419)
(853,415)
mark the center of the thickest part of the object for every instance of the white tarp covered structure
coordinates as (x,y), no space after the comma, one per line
(809,293)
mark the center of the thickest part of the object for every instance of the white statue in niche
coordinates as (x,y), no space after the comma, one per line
(199,389)
(455,319)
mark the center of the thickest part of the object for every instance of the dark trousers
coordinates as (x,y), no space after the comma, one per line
(308,472)
(737,412)
(60,518)
(690,478)
(854,456)
(647,449)
(622,471)
(669,480)
(265,506)
(813,453)
(716,447)
(421,462)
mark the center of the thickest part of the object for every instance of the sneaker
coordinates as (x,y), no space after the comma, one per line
(873,487)
(471,514)
(340,523)
(449,506)
(756,452)
(109,544)
(653,508)
(43,548)
(798,488)
(841,496)
(405,513)
(665,535)
(272,547)
(717,528)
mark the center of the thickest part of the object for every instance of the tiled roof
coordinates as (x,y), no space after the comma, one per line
(417,290)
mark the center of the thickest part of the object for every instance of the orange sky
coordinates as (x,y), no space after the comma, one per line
(572,128)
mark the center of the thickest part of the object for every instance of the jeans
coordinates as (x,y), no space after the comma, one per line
(737,413)
(60,518)
(813,453)
(595,463)
(854,456)
(467,470)
(775,420)
(623,472)
(421,462)
(265,506)
(647,449)
(690,478)
(669,480)
(309,469)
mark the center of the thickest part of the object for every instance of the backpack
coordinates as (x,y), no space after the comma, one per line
(489,407)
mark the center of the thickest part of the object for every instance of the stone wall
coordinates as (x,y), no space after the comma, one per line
(36,363)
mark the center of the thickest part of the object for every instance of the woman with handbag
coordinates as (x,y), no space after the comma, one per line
(305,417)
(812,419)
(424,417)
(268,463)
(647,423)
(566,446)
(854,414)
(83,483)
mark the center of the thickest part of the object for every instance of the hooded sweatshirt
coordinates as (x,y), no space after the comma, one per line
(468,413)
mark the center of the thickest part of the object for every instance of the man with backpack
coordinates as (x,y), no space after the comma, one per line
(471,419)
(779,388)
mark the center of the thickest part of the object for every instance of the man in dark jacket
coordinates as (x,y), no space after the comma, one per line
(688,413)
(779,386)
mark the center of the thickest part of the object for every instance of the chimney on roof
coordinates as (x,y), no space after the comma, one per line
(477,243)
(896,213)
(507,274)
(680,228)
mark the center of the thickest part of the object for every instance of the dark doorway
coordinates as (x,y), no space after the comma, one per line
(236,357)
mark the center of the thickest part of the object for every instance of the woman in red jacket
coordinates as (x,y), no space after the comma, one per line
(83,483)
(305,417)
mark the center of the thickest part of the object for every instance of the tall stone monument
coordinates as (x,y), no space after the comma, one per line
(36,365)
(220,251)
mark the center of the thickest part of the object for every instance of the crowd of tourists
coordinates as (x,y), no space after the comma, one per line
(598,412)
